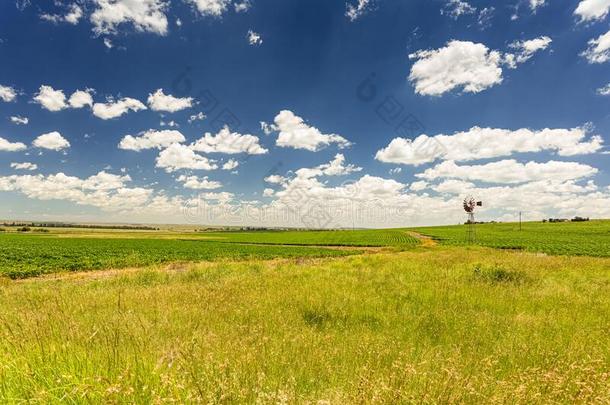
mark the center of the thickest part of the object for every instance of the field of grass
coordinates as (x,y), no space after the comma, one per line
(32,255)
(568,238)
(440,325)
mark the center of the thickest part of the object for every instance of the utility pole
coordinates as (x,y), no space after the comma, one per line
(519,220)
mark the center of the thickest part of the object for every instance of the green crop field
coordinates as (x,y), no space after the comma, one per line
(364,316)
(566,238)
(373,238)
(31,255)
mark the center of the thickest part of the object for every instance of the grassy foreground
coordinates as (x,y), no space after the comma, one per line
(440,325)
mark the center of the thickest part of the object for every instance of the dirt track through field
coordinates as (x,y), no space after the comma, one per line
(425,241)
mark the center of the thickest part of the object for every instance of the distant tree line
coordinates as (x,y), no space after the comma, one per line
(85,226)
(575,219)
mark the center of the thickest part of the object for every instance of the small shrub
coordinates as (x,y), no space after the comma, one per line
(499,275)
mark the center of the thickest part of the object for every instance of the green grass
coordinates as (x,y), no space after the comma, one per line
(32,255)
(571,238)
(372,238)
(441,325)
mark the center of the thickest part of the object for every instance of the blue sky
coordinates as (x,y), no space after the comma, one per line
(377,113)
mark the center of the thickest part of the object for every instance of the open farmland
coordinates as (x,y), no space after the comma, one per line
(370,238)
(410,321)
(31,255)
(565,238)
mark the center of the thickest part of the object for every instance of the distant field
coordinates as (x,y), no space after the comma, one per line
(374,238)
(34,253)
(568,238)
(27,255)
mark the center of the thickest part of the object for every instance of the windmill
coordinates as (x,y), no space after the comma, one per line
(469,206)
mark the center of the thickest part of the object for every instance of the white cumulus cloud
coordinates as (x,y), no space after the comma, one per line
(72,15)
(158,101)
(18,120)
(457,8)
(483,143)
(466,66)
(24,166)
(598,50)
(51,99)
(178,156)
(81,98)
(589,10)
(295,133)
(254,38)
(144,15)
(7,93)
(214,8)
(460,64)
(8,146)
(604,91)
(510,171)
(195,183)
(229,142)
(52,141)
(151,139)
(113,109)
(525,50)
(355,10)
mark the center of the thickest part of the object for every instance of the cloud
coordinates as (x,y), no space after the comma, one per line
(113,109)
(194,183)
(24,166)
(536,4)
(72,15)
(357,10)
(196,117)
(268,192)
(457,8)
(599,49)
(254,38)
(589,10)
(485,16)
(144,15)
(335,167)
(295,133)
(418,185)
(51,99)
(228,142)
(104,190)
(243,6)
(460,64)
(214,8)
(275,179)
(604,91)
(510,171)
(162,102)
(525,50)
(468,66)
(7,94)
(7,146)
(178,156)
(55,100)
(52,141)
(151,139)
(81,98)
(230,164)
(18,120)
(483,143)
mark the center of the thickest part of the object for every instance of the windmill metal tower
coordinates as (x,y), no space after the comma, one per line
(469,206)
